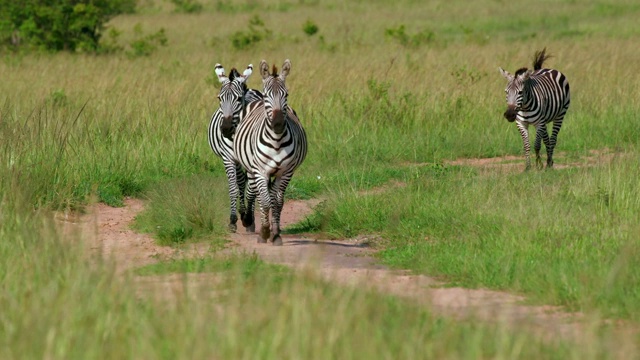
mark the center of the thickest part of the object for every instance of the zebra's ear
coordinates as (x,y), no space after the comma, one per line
(506,74)
(220,74)
(286,67)
(247,72)
(264,69)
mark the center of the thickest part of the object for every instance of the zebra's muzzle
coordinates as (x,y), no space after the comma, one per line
(510,114)
(227,128)
(278,121)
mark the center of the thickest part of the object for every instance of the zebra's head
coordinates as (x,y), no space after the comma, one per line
(231,97)
(515,91)
(275,94)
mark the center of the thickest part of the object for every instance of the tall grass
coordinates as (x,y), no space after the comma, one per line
(565,237)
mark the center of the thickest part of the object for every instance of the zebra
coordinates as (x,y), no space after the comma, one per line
(270,143)
(233,96)
(537,97)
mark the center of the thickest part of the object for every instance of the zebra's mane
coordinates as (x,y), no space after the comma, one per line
(539,59)
(274,71)
(233,74)
(520,71)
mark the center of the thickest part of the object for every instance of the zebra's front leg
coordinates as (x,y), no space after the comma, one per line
(248,220)
(279,187)
(233,195)
(524,133)
(241,180)
(262,185)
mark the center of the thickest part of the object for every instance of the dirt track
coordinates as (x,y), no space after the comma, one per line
(346,262)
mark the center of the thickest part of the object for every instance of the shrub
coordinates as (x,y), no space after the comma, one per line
(310,28)
(144,45)
(256,32)
(187,6)
(57,25)
(400,35)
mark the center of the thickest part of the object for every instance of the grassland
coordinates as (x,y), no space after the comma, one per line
(386,91)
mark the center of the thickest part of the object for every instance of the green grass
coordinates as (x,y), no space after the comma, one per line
(247,265)
(563,237)
(184,209)
(284,310)
(383,113)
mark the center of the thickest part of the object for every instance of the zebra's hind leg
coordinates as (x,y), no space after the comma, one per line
(547,144)
(557,123)
(541,133)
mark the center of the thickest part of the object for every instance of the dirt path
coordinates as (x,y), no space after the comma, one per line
(107,233)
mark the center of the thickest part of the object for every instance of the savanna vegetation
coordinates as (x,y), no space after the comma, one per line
(388,93)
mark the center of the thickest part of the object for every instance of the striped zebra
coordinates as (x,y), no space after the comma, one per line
(234,95)
(270,143)
(537,97)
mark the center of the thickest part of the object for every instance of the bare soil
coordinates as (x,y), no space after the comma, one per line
(348,262)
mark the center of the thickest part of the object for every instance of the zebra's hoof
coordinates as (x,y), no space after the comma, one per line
(247,221)
(251,228)
(277,241)
(265,233)
(233,228)
(261,240)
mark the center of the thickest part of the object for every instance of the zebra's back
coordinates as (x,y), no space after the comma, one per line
(551,95)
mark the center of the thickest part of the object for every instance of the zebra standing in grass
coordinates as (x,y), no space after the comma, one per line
(270,143)
(234,95)
(537,97)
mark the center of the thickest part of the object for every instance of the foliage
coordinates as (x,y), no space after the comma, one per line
(145,45)
(400,35)
(255,33)
(310,28)
(68,25)
(187,6)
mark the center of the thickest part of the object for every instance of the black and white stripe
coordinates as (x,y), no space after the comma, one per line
(233,96)
(537,97)
(270,143)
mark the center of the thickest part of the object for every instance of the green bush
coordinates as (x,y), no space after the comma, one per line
(144,45)
(400,35)
(187,6)
(256,32)
(58,25)
(310,28)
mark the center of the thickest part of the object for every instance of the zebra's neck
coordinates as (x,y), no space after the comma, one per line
(529,100)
